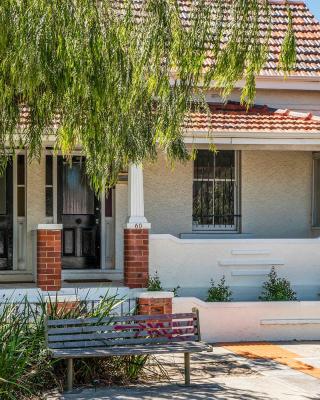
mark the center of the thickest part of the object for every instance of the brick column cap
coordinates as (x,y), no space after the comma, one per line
(156,295)
(49,227)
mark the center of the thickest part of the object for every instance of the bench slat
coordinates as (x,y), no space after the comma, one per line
(121,342)
(115,335)
(106,328)
(183,347)
(82,321)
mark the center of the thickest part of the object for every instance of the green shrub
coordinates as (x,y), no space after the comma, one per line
(154,284)
(277,289)
(26,370)
(219,292)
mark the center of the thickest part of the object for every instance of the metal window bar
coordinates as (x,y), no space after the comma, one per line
(216,208)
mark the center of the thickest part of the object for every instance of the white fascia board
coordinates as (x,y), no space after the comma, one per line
(289,83)
(202,137)
(307,83)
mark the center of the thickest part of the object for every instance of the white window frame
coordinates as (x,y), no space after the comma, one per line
(19,222)
(223,228)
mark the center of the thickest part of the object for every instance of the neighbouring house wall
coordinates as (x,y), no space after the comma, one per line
(276,193)
(301,101)
(168,196)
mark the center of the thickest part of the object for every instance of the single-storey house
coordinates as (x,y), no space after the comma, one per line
(253,204)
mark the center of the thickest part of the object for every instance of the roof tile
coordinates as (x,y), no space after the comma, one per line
(233,117)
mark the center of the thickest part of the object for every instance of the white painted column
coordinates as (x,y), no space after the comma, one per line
(136,218)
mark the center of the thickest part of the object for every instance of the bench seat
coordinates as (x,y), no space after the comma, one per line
(130,335)
(186,347)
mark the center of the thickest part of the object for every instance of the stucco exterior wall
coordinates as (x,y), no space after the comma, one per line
(299,100)
(168,196)
(36,204)
(254,321)
(245,263)
(276,192)
(276,188)
(121,212)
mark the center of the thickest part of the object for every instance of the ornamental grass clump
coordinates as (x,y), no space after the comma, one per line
(154,284)
(277,289)
(26,369)
(220,292)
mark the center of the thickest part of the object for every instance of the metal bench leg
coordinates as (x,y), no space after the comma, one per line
(70,374)
(187,368)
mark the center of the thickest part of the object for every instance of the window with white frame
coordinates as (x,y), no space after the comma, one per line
(216,190)
(316,191)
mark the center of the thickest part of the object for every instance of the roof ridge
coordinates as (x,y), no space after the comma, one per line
(236,106)
(296,114)
(285,2)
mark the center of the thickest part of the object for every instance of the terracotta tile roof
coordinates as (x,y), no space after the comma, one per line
(307,30)
(232,117)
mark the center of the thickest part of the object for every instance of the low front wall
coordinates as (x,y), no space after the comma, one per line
(192,263)
(254,321)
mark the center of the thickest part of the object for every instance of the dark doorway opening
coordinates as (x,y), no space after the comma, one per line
(79,212)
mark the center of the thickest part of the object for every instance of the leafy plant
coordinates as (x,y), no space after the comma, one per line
(25,366)
(154,284)
(90,74)
(277,289)
(176,291)
(219,292)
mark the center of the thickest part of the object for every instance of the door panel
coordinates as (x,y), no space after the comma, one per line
(79,212)
(6,219)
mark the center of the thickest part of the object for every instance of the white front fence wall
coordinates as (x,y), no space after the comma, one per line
(192,263)
(254,321)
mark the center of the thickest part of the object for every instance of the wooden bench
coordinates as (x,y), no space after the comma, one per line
(124,336)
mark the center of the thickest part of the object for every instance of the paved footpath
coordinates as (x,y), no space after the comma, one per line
(264,371)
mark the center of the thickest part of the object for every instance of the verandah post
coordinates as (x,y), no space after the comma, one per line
(136,233)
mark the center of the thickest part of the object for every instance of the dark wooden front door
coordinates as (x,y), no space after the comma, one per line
(79,212)
(6,220)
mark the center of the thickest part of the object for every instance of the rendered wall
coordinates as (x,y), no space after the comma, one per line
(245,263)
(276,191)
(255,321)
(121,213)
(299,100)
(168,196)
(36,205)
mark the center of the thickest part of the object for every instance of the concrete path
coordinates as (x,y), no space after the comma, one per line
(225,375)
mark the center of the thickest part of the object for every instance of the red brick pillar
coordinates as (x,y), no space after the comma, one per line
(136,257)
(49,257)
(154,303)
(60,306)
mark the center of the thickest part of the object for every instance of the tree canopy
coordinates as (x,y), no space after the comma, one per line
(121,75)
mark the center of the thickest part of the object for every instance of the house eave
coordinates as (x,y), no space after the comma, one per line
(277,82)
(254,138)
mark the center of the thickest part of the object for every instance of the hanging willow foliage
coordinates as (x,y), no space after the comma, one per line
(121,76)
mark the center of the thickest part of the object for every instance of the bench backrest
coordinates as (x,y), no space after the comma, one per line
(122,331)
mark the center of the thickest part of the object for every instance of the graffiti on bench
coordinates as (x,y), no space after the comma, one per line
(167,329)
